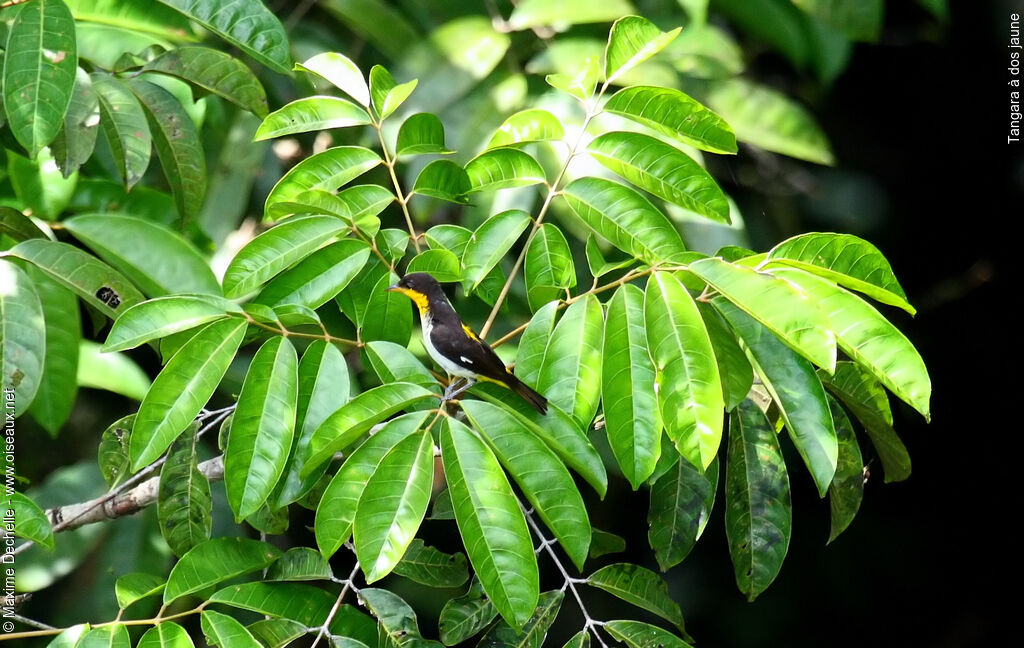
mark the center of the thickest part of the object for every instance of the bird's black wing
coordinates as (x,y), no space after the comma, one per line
(458,343)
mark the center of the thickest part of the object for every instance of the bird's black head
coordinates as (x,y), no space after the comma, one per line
(420,287)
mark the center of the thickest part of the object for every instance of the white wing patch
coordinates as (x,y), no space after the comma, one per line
(466,360)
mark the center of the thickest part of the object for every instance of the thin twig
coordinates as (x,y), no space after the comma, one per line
(403,199)
(589,623)
(325,628)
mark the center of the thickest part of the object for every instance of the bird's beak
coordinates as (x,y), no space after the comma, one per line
(394,288)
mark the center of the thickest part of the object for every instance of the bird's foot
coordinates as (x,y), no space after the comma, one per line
(452,390)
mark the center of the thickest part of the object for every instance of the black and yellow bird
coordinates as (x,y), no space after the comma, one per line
(454,346)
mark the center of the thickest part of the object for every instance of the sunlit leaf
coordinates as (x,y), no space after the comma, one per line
(215,561)
(386,93)
(531,125)
(639,586)
(494,530)
(489,244)
(23,347)
(466,615)
(624,218)
(570,376)
(327,170)
(795,389)
(182,388)
(632,41)
(39,72)
(675,114)
(421,134)
(262,427)
(663,170)
(549,268)
(847,488)
(445,180)
(215,72)
(503,168)
(341,72)
(538,13)
(311,114)
(30,522)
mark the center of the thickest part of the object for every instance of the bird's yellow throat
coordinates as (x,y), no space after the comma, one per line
(419,298)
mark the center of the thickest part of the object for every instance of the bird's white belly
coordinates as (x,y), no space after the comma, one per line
(450,367)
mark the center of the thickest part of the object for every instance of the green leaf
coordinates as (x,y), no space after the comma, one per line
(39,72)
(395,363)
(318,278)
(846,260)
(111,636)
(246,24)
(540,474)
(387,95)
(603,543)
(337,508)
(866,399)
(795,389)
(163,316)
(365,202)
(443,265)
(421,134)
(18,226)
(675,114)
(307,114)
(637,634)
(534,342)
(274,250)
(638,586)
(535,630)
(445,180)
(136,586)
(76,141)
(663,170)
(355,298)
(847,488)
(39,185)
(341,72)
(98,284)
(262,427)
(558,430)
(539,13)
(23,343)
(215,72)
(182,388)
(326,170)
(114,372)
(531,125)
(503,168)
(113,450)
(625,218)
(388,316)
(428,566)
(689,387)
(159,260)
(276,633)
(870,340)
(466,615)
(165,635)
(632,41)
(316,201)
(58,387)
(306,604)
(758,511)
(393,505)
(579,640)
(222,630)
(858,21)
(184,505)
(215,561)
(30,522)
(125,126)
(69,637)
(178,146)
(786,310)
(491,523)
(733,367)
(769,119)
(681,502)
(489,244)
(582,84)
(300,564)
(397,619)
(549,269)
(570,376)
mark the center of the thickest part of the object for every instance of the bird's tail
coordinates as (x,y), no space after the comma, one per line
(535,400)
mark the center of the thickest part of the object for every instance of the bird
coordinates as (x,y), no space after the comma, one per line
(455,346)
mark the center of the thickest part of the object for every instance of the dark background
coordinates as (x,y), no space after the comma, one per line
(919,126)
